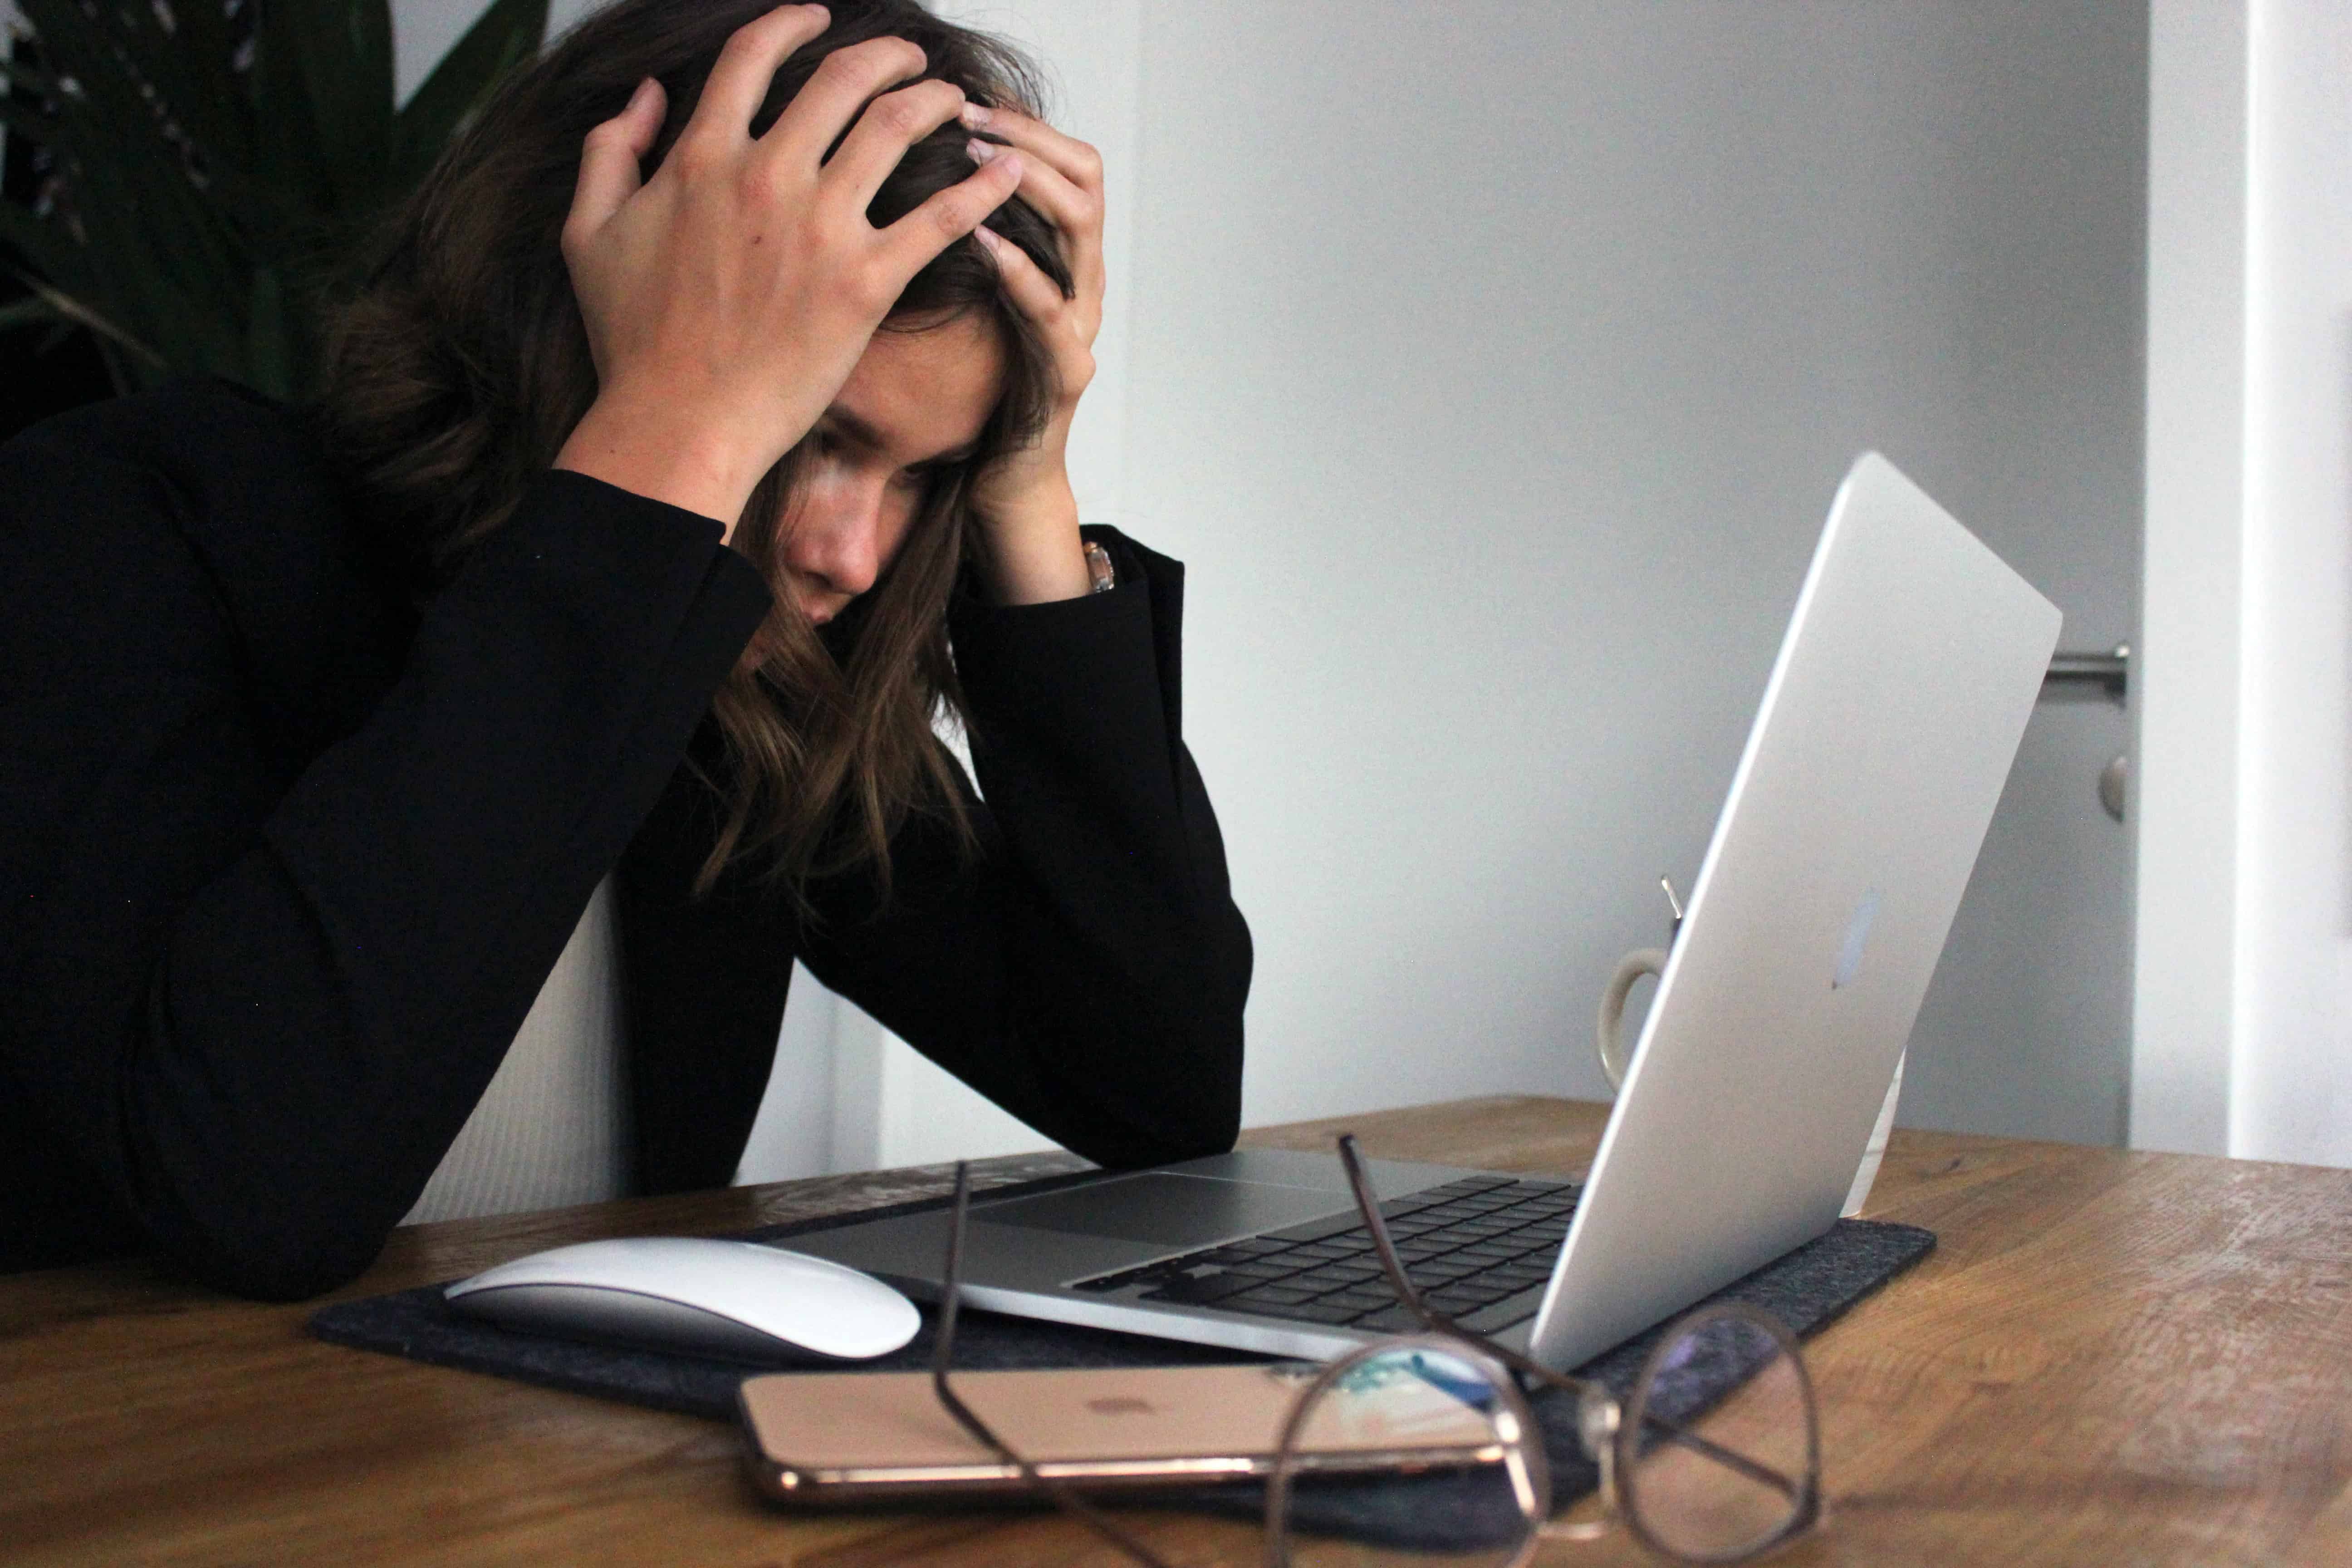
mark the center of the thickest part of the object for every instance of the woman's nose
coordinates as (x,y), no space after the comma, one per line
(838,538)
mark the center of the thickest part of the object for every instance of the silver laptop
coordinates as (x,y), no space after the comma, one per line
(1887,728)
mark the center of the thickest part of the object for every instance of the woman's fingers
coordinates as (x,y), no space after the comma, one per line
(1038,296)
(829,100)
(878,141)
(1069,209)
(610,160)
(1063,183)
(739,82)
(1074,160)
(946,216)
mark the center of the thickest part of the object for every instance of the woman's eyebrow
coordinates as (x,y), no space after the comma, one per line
(844,424)
(950,458)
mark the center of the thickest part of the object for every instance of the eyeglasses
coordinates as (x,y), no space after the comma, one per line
(1714,1456)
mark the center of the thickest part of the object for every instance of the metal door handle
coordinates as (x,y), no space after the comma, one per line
(2110,671)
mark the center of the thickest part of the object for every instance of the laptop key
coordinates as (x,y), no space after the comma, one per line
(1316,1312)
(1393,1319)
(1360,1300)
(1198,1291)
(1512,1308)
(1320,1280)
(1220,1255)
(1317,1230)
(1268,1297)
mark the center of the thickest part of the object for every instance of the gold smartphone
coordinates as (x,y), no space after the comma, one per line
(820,1438)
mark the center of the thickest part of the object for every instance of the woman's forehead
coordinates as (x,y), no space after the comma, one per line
(922,394)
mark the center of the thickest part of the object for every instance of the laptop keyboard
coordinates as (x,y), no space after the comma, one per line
(1479,1249)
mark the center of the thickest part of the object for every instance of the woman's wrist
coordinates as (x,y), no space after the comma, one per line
(1034,553)
(663,455)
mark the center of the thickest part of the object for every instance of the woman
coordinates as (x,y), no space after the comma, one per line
(690,445)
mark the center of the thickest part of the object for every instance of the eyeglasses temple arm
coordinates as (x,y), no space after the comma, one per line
(943,1358)
(1368,1204)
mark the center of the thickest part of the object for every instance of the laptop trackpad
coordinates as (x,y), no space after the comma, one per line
(1158,1207)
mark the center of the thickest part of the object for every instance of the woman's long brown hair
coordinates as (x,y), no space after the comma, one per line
(460,365)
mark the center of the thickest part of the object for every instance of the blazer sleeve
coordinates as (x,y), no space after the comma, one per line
(253,1004)
(1085,968)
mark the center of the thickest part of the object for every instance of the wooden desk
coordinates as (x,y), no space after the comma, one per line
(2113,1358)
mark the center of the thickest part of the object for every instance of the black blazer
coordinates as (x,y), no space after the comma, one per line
(289,845)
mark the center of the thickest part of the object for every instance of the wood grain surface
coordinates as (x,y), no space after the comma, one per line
(2112,1358)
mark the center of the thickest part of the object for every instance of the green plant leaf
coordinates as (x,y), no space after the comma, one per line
(153,240)
(22,77)
(80,47)
(28,312)
(140,217)
(209,202)
(116,122)
(269,339)
(335,58)
(287,148)
(22,116)
(67,306)
(190,63)
(44,249)
(505,36)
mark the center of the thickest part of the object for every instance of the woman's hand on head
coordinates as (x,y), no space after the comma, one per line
(728,298)
(1024,499)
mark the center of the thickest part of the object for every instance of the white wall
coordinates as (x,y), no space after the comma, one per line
(2245,1008)
(2186,795)
(1493,368)
(2292,1066)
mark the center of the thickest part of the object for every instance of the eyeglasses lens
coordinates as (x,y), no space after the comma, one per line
(1426,1447)
(1727,1478)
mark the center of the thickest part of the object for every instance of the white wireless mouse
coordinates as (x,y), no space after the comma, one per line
(737,1300)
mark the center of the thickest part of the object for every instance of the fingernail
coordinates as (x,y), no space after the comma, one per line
(987,237)
(644,88)
(980,152)
(976,116)
(1012,161)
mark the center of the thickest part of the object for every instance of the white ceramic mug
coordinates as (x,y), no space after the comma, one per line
(1609,1043)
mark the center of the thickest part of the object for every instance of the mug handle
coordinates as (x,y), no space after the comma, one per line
(1608,1025)
(1608,1042)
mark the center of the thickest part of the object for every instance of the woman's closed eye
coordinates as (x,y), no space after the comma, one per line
(916,477)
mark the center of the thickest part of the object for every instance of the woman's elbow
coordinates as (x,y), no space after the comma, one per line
(1190,1113)
(266,1250)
